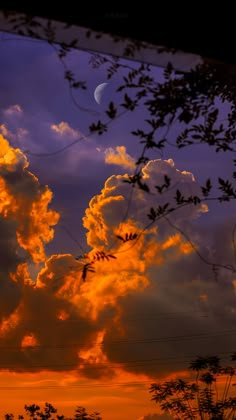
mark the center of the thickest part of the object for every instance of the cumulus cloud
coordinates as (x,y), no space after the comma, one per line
(112,319)
(13,110)
(38,317)
(63,129)
(14,135)
(6,132)
(34,316)
(108,208)
(22,133)
(120,157)
(23,232)
(13,129)
(25,202)
(176,277)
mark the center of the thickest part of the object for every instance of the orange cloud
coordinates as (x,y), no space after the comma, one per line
(6,132)
(107,209)
(9,323)
(25,202)
(65,321)
(120,157)
(64,130)
(29,340)
(176,241)
(63,294)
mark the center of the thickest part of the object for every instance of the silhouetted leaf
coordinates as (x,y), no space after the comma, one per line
(112,111)
(207,188)
(100,128)
(120,237)
(86,269)
(129,103)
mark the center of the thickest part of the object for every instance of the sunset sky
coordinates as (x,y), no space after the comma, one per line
(138,318)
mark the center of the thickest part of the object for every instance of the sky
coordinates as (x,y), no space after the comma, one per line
(139,317)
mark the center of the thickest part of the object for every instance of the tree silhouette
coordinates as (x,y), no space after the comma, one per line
(34,412)
(209,396)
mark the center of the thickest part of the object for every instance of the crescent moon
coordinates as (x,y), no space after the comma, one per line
(98,92)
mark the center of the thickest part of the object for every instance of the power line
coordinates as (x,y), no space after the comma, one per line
(167,339)
(141,317)
(130,363)
(60,366)
(84,385)
(97,385)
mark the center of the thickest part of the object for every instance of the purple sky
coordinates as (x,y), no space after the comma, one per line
(32,77)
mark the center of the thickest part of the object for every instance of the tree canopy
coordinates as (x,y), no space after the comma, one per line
(209,396)
(34,412)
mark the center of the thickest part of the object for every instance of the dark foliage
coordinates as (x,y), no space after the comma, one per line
(49,412)
(210,396)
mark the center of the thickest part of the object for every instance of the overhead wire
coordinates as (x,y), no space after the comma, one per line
(148,340)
